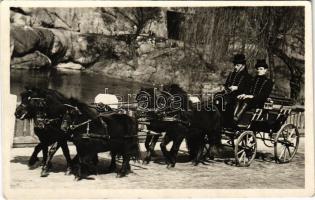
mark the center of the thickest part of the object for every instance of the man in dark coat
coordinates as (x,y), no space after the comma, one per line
(236,83)
(258,93)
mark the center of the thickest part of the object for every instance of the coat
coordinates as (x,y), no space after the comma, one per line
(241,79)
(261,88)
(226,100)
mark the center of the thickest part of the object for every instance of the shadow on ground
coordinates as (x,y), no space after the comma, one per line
(226,156)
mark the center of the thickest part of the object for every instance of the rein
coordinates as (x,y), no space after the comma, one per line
(72,127)
(47,121)
(37,98)
(92,135)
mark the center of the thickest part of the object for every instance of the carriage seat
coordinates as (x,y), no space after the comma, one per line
(272,118)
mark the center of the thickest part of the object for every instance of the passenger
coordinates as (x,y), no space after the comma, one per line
(236,83)
(258,93)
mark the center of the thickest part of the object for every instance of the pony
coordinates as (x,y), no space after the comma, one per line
(151,108)
(44,107)
(187,122)
(93,133)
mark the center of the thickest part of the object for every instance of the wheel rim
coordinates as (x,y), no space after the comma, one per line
(286,143)
(245,149)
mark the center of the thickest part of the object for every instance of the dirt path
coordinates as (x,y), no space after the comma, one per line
(215,175)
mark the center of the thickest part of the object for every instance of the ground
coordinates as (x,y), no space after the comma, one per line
(218,174)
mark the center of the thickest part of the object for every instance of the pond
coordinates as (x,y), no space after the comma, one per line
(79,84)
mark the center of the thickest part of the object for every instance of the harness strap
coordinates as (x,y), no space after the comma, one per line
(105,126)
(48,121)
(72,127)
(92,135)
(108,137)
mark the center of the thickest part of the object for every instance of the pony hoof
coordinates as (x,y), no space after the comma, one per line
(120,175)
(68,172)
(146,161)
(44,174)
(111,169)
(77,178)
(170,166)
(36,165)
(32,161)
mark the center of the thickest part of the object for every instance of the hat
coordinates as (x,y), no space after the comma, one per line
(239,59)
(261,63)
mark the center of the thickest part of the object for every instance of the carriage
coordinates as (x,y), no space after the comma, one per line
(269,124)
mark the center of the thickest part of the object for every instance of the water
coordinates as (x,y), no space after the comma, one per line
(82,85)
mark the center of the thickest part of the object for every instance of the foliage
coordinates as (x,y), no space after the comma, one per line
(259,32)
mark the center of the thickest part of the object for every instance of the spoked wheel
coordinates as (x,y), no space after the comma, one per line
(245,149)
(286,143)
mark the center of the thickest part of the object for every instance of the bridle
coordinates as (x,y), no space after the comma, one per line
(40,119)
(74,126)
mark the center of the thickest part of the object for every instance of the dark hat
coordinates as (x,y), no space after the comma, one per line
(261,63)
(239,59)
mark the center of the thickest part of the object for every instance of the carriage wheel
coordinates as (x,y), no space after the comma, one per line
(245,149)
(286,143)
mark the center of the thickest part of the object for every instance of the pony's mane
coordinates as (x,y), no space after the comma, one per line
(148,90)
(45,92)
(84,108)
(175,89)
(53,100)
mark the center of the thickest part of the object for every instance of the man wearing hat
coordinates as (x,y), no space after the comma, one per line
(235,84)
(258,93)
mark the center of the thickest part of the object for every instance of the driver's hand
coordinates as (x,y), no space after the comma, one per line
(233,88)
(249,96)
(241,96)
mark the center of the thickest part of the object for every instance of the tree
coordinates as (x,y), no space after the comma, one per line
(255,31)
(280,30)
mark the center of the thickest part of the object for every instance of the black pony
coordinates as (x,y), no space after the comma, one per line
(186,122)
(93,133)
(44,107)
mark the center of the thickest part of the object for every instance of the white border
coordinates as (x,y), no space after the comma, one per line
(160,193)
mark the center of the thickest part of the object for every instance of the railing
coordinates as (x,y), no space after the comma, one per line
(24,133)
(298,119)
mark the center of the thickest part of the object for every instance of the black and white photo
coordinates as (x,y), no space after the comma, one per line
(157,99)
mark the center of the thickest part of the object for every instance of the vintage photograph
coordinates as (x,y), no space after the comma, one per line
(158,97)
